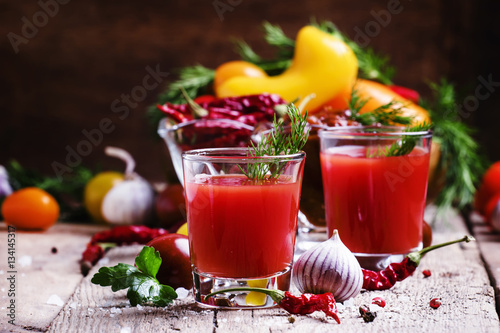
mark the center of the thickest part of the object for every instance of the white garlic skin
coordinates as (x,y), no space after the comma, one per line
(329,267)
(129,202)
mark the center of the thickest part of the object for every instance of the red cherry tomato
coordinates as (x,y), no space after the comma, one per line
(171,206)
(490,186)
(175,269)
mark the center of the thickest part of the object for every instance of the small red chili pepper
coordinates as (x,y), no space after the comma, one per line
(117,236)
(388,277)
(303,304)
(407,93)
(435,303)
(379,301)
(426,273)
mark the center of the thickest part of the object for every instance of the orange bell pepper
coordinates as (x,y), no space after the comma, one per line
(377,95)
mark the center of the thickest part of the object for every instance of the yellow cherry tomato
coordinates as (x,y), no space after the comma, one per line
(183,229)
(256,298)
(30,208)
(96,189)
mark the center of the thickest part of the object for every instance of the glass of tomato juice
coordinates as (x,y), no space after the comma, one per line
(241,230)
(375,186)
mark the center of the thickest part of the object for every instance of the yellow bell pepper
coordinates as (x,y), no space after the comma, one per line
(322,65)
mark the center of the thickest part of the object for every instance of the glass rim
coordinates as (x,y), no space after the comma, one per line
(235,155)
(369,132)
(165,126)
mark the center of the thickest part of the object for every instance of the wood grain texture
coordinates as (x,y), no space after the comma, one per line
(458,278)
(40,273)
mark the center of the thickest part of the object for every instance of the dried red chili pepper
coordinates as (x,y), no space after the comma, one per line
(116,236)
(426,273)
(303,304)
(435,303)
(387,277)
(222,122)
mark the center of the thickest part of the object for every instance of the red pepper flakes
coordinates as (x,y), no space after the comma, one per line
(435,303)
(379,301)
(426,273)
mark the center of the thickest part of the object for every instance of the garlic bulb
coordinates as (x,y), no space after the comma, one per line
(329,267)
(132,200)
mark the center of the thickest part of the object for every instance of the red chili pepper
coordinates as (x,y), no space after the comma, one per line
(426,273)
(117,236)
(204,99)
(435,303)
(387,277)
(242,113)
(379,301)
(302,305)
(407,93)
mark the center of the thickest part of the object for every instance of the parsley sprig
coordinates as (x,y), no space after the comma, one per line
(278,142)
(143,287)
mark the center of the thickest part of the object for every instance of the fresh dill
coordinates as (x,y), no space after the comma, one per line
(403,146)
(387,114)
(278,142)
(461,160)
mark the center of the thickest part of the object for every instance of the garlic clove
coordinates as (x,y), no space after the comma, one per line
(129,202)
(329,267)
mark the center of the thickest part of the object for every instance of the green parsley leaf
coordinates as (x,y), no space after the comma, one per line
(143,287)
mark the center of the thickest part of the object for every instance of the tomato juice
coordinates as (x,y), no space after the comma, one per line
(241,228)
(376,203)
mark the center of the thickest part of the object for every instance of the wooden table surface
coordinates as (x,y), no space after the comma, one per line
(52,296)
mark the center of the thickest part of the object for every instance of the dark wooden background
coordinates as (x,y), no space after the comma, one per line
(65,77)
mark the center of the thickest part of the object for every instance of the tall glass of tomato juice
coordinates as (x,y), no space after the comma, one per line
(375,186)
(241,230)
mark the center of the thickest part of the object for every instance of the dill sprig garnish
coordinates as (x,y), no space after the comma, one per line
(461,159)
(278,142)
(387,114)
(402,147)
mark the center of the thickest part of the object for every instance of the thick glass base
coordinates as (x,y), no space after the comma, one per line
(205,284)
(377,262)
(308,235)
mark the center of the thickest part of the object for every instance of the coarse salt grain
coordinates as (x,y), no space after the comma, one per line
(125,330)
(103,261)
(25,261)
(55,300)
(182,293)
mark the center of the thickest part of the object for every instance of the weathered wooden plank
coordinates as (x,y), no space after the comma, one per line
(458,278)
(489,244)
(40,273)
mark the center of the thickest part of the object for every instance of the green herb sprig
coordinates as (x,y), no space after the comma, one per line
(194,80)
(387,114)
(278,142)
(143,287)
(462,160)
(403,147)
